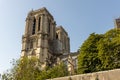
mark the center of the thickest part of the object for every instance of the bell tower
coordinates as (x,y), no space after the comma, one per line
(117,23)
(39,29)
(43,39)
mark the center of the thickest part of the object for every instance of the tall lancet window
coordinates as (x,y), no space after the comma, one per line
(39,22)
(49,26)
(34,25)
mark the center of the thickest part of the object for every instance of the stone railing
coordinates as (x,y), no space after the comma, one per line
(103,75)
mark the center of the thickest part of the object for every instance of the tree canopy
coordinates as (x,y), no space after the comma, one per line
(100,52)
(29,69)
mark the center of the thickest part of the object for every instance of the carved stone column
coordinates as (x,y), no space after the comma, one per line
(30,26)
(42,23)
(27,25)
(45,24)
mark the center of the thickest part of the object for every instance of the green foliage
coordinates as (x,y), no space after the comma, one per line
(23,69)
(29,69)
(100,52)
(88,60)
(56,71)
(109,50)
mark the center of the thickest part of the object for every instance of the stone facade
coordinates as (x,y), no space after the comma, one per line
(43,39)
(117,23)
(71,61)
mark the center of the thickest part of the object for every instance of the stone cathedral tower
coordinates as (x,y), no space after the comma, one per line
(117,23)
(42,38)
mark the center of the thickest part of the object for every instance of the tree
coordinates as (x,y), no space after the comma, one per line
(100,52)
(109,50)
(88,60)
(23,69)
(29,69)
(59,70)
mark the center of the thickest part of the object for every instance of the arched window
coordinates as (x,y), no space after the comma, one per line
(56,36)
(34,25)
(39,22)
(49,26)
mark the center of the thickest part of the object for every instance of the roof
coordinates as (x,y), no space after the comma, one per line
(41,10)
(72,54)
(60,27)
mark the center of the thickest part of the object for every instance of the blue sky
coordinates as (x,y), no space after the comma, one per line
(78,17)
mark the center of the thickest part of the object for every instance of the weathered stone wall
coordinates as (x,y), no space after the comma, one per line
(103,75)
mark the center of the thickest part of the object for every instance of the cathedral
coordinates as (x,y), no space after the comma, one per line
(117,23)
(46,41)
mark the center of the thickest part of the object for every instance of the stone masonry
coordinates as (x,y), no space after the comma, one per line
(44,40)
(103,75)
(117,23)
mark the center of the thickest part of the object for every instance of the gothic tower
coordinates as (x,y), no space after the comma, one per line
(42,38)
(117,23)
